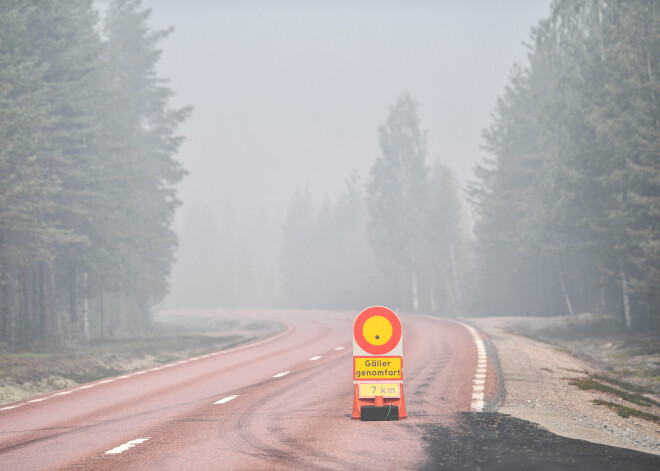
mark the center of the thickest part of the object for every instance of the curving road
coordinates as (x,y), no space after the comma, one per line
(280,403)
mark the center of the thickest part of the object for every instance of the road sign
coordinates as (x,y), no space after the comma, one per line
(377,368)
(378,363)
(376,331)
(387,390)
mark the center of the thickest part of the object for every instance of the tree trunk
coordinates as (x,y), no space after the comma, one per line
(22,306)
(73,301)
(46,300)
(433,292)
(626,298)
(101,314)
(40,298)
(415,293)
(11,303)
(457,286)
(85,312)
(567,299)
(34,313)
(56,322)
(6,309)
(118,322)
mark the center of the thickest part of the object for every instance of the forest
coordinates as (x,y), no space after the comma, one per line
(87,171)
(562,216)
(566,205)
(397,240)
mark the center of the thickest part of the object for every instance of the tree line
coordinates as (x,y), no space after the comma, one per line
(568,205)
(395,240)
(87,172)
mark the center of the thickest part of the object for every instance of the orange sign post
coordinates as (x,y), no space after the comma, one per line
(378,366)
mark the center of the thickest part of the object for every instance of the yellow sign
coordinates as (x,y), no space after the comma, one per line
(382,368)
(377,330)
(387,390)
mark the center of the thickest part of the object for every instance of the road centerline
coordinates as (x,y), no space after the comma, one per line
(225,400)
(126,446)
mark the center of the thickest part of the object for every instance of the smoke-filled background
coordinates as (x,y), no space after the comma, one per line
(470,158)
(288,97)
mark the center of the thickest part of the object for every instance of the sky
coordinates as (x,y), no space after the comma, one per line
(290,94)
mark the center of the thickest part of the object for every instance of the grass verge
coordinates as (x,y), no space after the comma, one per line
(592,384)
(626,412)
(26,374)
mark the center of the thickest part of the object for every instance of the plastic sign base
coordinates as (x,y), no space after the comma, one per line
(362,403)
(373,413)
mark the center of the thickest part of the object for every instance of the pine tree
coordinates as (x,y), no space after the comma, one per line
(149,199)
(581,196)
(86,176)
(442,242)
(397,191)
(52,51)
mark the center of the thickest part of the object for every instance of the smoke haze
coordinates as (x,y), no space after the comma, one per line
(289,95)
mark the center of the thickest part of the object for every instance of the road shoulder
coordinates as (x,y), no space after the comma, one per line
(537,388)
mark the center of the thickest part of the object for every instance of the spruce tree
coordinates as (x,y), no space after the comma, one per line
(397,191)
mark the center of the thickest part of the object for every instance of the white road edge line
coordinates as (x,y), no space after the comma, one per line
(478,386)
(36,400)
(478,398)
(126,446)
(225,400)
(11,407)
(279,375)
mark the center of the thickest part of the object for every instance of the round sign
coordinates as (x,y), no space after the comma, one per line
(377,330)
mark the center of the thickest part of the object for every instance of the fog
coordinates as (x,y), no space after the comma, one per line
(316,155)
(289,95)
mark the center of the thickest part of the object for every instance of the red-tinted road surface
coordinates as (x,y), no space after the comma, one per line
(280,403)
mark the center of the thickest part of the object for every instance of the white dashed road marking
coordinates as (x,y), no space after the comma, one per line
(126,446)
(315,358)
(226,399)
(279,375)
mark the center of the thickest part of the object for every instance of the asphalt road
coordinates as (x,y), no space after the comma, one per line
(285,403)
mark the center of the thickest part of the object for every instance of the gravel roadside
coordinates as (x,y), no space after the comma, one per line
(536,379)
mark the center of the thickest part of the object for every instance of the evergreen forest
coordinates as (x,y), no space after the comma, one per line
(561,217)
(87,171)
(566,205)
